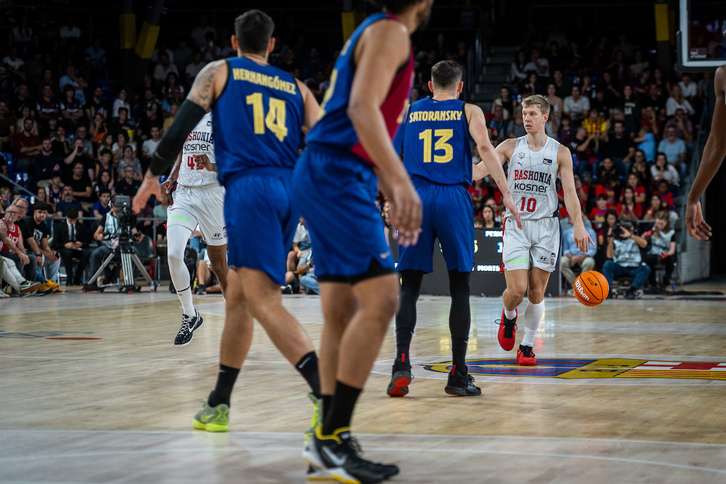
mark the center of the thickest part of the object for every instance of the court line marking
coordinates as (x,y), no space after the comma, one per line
(370,449)
(413,436)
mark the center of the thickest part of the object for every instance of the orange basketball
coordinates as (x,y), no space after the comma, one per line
(591,288)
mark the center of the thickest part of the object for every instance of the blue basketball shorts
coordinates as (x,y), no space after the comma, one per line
(449,216)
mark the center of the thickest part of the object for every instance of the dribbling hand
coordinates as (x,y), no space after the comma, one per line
(583,240)
(696,225)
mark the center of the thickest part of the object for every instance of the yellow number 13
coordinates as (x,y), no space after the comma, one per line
(275,119)
(443,136)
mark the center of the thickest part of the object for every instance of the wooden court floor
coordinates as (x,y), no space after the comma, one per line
(92,390)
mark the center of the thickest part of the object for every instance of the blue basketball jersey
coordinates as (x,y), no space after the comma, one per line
(257,120)
(436,142)
(334,128)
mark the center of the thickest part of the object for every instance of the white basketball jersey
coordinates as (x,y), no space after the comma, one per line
(532,179)
(199,142)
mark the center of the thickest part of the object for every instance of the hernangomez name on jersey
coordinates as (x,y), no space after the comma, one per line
(199,142)
(532,179)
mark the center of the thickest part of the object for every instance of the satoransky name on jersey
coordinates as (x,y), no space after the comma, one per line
(532,176)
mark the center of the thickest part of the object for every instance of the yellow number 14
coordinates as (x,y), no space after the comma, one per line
(443,136)
(275,119)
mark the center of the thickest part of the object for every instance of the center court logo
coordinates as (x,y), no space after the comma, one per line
(583,369)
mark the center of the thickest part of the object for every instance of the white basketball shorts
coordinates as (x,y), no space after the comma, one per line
(537,244)
(203,206)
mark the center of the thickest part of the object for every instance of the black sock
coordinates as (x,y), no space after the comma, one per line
(308,368)
(459,316)
(327,400)
(341,408)
(406,317)
(225,382)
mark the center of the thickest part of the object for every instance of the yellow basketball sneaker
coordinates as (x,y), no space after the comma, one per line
(212,419)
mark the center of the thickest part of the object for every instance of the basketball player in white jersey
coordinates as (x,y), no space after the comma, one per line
(530,254)
(197,200)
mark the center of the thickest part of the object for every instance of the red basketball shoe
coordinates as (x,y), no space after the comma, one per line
(507,332)
(525,356)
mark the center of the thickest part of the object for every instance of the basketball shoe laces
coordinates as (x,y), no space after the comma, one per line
(185,327)
(508,327)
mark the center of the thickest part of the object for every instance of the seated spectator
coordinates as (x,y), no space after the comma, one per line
(646,143)
(655,206)
(97,128)
(651,121)
(477,191)
(595,124)
(517,70)
(675,151)
(107,234)
(478,222)
(120,102)
(71,242)
(662,247)
(151,119)
(47,106)
(666,194)
(127,160)
(638,190)
(677,101)
(171,84)
(104,182)
(489,218)
(606,229)
(14,278)
(149,147)
(5,194)
(516,129)
(682,125)
(122,140)
(68,202)
(300,243)
(55,189)
(619,146)
(77,156)
(662,170)
(566,132)
(12,246)
(573,261)
(498,124)
(582,194)
(597,214)
(163,68)
(35,236)
(80,185)
(577,107)
(624,250)
(60,145)
(104,164)
(122,123)
(640,169)
(41,197)
(609,187)
(207,281)
(308,281)
(70,108)
(96,105)
(607,169)
(128,185)
(96,57)
(585,148)
(27,146)
(628,208)
(45,163)
(506,101)
(194,67)
(82,134)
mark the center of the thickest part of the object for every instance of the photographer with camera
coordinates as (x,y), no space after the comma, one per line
(624,250)
(662,246)
(116,227)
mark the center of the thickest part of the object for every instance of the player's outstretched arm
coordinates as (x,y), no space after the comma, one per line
(382,49)
(312,108)
(572,201)
(205,91)
(490,158)
(713,155)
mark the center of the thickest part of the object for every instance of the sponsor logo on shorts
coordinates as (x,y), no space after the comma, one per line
(179,217)
(216,236)
(518,261)
(543,258)
(553,258)
(224,231)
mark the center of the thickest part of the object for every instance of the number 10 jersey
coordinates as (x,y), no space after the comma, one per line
(532,179)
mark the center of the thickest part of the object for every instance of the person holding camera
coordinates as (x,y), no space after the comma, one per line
(107,234)
(662,246)
(624,250)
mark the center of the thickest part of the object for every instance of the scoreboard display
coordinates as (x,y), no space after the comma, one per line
(486,280)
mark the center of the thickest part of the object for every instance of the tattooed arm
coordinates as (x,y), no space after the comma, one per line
(205,91)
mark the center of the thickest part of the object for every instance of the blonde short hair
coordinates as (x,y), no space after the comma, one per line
(539,101)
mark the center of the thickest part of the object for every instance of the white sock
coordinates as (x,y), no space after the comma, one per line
(185,297)
(532,316)
(510,314)
(177,237)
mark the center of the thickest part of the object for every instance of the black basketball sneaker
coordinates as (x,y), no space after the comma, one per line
(401,378)
(461,383)
(186,332)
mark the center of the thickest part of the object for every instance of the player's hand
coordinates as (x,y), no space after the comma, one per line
(167,186)
(203,162)
(509,203)
(406,212)
(583,240)
(150,186)
(697,227)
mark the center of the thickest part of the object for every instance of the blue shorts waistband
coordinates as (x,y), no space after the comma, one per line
(338,153)
(420,180)
(262,171)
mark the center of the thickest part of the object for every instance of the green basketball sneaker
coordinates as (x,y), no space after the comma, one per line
(212,419)
(317,417)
